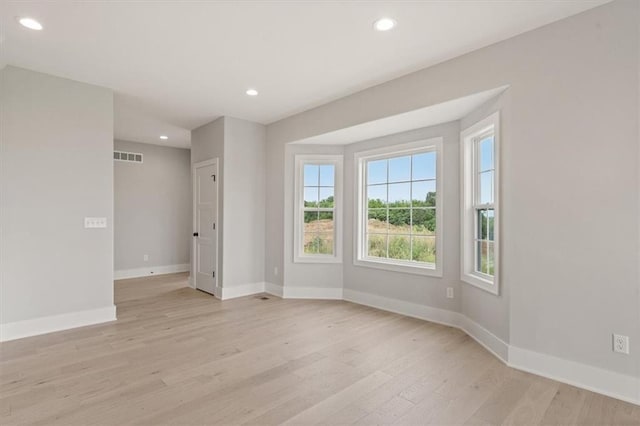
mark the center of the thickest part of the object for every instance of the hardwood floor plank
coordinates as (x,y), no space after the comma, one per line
(177,356)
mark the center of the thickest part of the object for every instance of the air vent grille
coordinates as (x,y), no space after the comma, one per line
(132,157)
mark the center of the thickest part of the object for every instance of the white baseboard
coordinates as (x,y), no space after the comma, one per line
(49,324)
(274,289)
(484,337)
(123,274)
(440,316)
(289,292)
(606,382)
(226,293)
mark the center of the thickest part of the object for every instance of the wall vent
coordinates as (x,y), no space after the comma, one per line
(132,157)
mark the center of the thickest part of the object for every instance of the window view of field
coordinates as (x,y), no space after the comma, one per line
(484,198)
(319,230)
(401,208)
(485,241)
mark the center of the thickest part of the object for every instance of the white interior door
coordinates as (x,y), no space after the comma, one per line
(205,229)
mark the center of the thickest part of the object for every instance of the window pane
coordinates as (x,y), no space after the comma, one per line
(423,194)
(116,155)
(399,194)
(311,197)
(377,245)
(310,216)
(481,256)
(424,249)
(311,222)
(377,171)
(377,221)
(486,187)
(424,222)
(490,259)
(326,197)
(310,244)
(424,166)
(310,175)
(490,225)
(327,173)
(400,169)
(377,196)
(399,247)
(486,153)
(324,243)
(482,226)
(400,221)
(325,222)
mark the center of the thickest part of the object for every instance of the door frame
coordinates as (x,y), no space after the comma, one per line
(194,217)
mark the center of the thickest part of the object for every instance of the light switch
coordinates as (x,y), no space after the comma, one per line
(95,222)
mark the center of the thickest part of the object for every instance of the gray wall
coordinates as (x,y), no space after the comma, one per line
(244,202)
(570,179)
(324,275)
(152,207)
(56,167)
(239,146)
(404,286)
(207,142)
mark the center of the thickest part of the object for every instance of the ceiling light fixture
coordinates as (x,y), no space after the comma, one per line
(30,23)
(164,138)
(384,24)
(252,92)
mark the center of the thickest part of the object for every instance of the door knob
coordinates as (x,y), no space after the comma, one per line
(195,234)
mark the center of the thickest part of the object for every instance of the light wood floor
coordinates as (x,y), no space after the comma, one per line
(178,356)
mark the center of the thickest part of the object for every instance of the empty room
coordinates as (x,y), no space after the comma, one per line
(320,212)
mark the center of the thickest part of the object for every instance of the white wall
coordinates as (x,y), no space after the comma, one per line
(570,179)
(56,168)
(152,202)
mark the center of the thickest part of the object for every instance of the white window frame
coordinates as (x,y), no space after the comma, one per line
(299,255)
(360,257)
(469,191)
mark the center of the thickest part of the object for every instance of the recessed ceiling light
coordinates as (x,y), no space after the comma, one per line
(164,138)
(384,24)
(30,23)
(252,92)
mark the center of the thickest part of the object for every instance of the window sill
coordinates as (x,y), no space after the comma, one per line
(481,283)
(399,267)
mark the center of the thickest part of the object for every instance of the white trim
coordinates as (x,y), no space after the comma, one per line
(467,210)
(410,309)
(123,274)
(498,347)
(194,217)
(360,181)
(231,292)
(274,289)
(49,324)
(324,293)
(298,253)
(606,382)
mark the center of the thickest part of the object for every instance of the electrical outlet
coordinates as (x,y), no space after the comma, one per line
(146,257)
(449,292)
(621,344)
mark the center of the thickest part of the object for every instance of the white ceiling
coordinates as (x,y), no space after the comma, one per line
(175,65)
